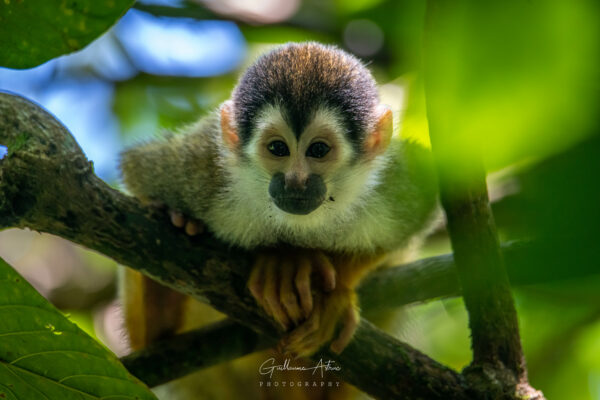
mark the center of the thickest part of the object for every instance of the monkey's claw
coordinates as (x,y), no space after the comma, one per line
(330,309)
(282,283)
(191,226)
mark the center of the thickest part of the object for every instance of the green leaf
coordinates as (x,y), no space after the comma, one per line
(43,355)
(35,31)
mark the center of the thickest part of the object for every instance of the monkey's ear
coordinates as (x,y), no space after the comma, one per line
(228,130)
(381,134)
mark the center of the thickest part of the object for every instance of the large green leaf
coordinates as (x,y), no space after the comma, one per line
(43,355)
(35,31)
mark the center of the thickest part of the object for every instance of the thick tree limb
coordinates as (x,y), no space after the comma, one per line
(47,184)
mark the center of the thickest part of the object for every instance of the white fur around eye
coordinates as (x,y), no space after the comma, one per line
(326,119)
(269,118)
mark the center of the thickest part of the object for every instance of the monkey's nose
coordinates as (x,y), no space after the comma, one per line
(307,195)
(295,182)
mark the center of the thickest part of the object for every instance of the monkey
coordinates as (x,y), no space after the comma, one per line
(301,166)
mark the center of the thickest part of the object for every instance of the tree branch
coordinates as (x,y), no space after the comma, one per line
(196,11)
(169,359)
(47,184)
(498,367)
(418,281)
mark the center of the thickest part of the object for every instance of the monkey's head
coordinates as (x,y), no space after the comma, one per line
(306,117)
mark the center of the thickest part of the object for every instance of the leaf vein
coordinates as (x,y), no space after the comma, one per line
(56,351)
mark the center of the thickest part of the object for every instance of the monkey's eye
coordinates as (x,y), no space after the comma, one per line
(278,148)
(317,150)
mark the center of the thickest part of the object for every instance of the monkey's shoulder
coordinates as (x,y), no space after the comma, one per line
(181,169)
(201,137)
(403,204)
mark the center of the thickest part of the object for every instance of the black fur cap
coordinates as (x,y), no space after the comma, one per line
(302,77)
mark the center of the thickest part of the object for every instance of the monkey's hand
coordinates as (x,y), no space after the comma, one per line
(282,282)
(338,307)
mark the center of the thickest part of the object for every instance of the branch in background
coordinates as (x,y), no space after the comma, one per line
(498,367)
(47,184)
(186,11)
(196,11)
(169,359)
(471,227)
(527,263)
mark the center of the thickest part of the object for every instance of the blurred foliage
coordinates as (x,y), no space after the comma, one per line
(34,31)
(515,79)
(146,103)
(557,203)
(560,328)
(518,80)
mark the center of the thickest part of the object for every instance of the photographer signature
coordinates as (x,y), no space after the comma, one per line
(267,367)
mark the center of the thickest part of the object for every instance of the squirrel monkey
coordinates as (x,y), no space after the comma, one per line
(300,165)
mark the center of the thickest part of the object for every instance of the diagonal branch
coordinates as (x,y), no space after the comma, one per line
(47,184)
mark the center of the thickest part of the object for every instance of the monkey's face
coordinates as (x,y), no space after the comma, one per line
(302,166)
(312,174)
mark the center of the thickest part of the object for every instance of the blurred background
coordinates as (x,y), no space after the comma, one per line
(521,80)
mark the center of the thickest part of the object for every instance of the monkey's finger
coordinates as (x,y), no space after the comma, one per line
(326,270)
(194,227)
(303,286)
(177,218)
(256,283)
(271,295)
(334,306)
(349,325)
(292,342)
(287,293)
